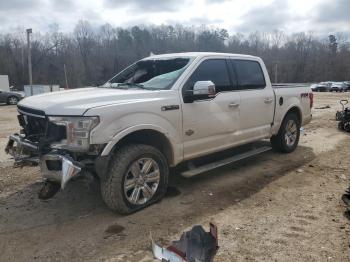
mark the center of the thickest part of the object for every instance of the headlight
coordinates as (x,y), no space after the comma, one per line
(77,131)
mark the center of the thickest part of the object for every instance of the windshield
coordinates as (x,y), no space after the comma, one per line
(157,74)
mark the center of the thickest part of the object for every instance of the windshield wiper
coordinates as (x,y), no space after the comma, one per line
(132,85)
(137,85)
(126,86)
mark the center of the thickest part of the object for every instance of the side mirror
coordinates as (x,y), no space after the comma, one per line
(204,88)
(201,90)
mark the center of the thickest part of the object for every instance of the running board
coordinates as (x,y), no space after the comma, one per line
(207,167)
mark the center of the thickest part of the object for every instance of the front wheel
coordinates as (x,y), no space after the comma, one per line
(12,100)
(137,177)
(288,136)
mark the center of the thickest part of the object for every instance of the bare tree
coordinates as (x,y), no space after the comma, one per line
(93,55)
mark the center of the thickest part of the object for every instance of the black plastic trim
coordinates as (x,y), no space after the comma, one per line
(31,111)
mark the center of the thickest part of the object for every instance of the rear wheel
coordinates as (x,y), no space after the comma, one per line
(288,136)
(137,177)
(12,100)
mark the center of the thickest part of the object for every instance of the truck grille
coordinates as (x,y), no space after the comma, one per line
(31,111)
(33,122)
(37,127)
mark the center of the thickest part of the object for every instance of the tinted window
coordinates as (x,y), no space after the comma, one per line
(214,70)
(249,74)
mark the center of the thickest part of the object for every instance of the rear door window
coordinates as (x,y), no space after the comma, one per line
(249,74)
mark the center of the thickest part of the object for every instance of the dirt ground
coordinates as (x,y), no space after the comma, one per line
(273,207)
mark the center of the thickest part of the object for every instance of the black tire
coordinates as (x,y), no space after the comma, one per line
(338,115)
(12,100)
(112,186)
(341,125)
(279,142)
(347,126)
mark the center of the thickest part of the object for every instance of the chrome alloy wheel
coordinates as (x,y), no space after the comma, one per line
(291,133)
(141,181)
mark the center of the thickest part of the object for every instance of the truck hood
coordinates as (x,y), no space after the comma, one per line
(78,101)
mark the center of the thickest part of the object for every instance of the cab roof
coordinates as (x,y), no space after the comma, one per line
(196,54)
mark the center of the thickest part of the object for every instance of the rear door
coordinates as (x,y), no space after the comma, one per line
(257,100)
(209,124)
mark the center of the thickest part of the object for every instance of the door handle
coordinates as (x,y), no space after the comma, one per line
(233,105)
(268,100)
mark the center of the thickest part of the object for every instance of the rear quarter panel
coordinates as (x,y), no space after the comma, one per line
(292,97)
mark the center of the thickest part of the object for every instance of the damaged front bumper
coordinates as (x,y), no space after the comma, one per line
(59,168)
(22,150)
(54,165)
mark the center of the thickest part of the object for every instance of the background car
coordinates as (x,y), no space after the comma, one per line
(321,87)
(10,97)
(338,87)
(347,84)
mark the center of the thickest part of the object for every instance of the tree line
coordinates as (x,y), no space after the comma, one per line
(93,55)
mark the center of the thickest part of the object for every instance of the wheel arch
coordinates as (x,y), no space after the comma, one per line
(281,115)
(294,110)
(278,140)
(148,135)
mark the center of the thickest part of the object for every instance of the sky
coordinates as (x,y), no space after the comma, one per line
(318,16)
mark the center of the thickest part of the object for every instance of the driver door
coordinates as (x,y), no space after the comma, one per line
(210,124)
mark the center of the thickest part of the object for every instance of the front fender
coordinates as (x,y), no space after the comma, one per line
(113,130)
(110,145)
(120,120)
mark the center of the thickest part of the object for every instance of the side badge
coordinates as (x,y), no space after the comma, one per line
(189,132)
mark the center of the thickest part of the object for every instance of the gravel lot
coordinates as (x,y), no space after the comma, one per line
(272,207)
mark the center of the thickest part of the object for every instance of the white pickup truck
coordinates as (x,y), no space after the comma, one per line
(160,111)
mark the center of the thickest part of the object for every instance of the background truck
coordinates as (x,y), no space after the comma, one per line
(157,113)
(4,83)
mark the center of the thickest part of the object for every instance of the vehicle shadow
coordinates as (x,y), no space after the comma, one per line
(233,183)
(23,209)
(227,184)
(189,199)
